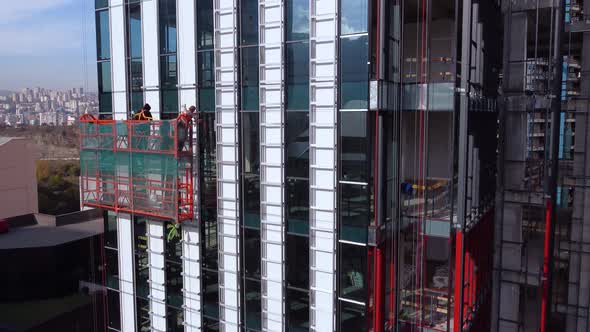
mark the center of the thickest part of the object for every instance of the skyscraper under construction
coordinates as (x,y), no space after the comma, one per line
(353,165)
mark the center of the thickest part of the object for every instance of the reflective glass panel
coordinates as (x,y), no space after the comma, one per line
(352,317)
(297,56)
(297,144)
(204,24)
(252,253)
(354,72)
(353,268)
(114,312)
(251,140)
(169,101)
(135,75)
(143,314)
(298,205)
(134,30)
(175,320)
(297,261)
(210,294)
(297,20)
(354,212)
(100,3)
(167,20)
(353,16)
(112,260)
(110,229)
(168,71)
(103,48)
(251,201)
(174,284)
(206,81)
(249,22)
(104,77)
(249,72)
(354,147)
(252,300)
(297,310)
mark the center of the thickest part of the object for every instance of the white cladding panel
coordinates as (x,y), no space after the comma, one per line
(323,149)
(186,46)
(126,271)
(272,145)
(191,268)
(226,85)
(118,71)
(151,48)
(157,282)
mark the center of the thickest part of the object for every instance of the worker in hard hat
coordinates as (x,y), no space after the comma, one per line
(184,120)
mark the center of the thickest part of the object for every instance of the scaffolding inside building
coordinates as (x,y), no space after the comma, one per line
(140,167)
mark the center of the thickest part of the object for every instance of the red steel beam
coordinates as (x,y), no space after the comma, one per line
(457,324)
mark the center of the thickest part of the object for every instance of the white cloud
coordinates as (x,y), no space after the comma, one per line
(18,10)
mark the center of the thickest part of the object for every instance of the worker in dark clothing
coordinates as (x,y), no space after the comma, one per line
(143,113)
(184,120)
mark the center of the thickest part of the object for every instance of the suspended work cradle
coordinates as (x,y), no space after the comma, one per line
(140,167)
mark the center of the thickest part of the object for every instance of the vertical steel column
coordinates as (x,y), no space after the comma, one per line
(157,278)
(551,204)
(226,116)
(126,272)
(463,166)
(272,161)
(151,55)
(323,155)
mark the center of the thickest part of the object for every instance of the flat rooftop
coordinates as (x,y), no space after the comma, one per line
(40,230)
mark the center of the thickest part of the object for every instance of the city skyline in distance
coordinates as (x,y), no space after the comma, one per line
(48,43)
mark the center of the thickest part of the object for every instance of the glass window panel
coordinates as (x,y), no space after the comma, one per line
(353,16)
(136,100)
(210,324)
(208,183)
(134,30)
(297,76)
(135,75)
(250,99)
(140,237)
(204,24)
(175,320)
(354,147)
(297,261)
(167,12)
(206,81)
(354,212)
(298,205)
(252,300)
(354,71)
(251,183)
(174,284)
(252,253)
(353,267)
(105,103)
(251,142)
(210,294)
(103,48)
(352,317)
(112,260)
(142,274)
(110,229)
(297,144)
(104,77)
(168,71)
(249,22)
(143,314)
(169,101)
(101,3)
(297,20)
(114,312)
(297,310)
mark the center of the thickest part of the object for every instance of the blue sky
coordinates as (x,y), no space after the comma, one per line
(43,43)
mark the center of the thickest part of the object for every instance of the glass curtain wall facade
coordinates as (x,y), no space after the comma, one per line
(103,56)
(250,167)
(134,55)
(168,61)
(207,165)
(296,61)
(369,168)
(355,160)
